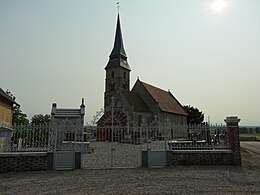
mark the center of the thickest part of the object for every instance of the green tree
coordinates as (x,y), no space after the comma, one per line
(195,116)
(250,130)
(41,119)
(243,130)
(19,118)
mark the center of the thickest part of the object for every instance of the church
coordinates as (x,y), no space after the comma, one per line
(144,103)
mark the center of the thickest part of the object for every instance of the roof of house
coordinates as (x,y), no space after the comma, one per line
(167,102)
(68,112)
(63,112)
(6,96)
(135,100)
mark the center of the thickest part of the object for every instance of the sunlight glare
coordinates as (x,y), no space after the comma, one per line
(218,6)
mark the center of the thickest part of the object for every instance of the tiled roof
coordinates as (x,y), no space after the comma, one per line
(67,112)
(7,97)
(135,100)
(167,102)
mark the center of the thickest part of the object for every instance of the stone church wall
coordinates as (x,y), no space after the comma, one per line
(172,118)
(149,101)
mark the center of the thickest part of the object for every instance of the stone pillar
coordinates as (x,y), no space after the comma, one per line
(233,138)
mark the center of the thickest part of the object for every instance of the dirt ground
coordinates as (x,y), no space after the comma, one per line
(243,179)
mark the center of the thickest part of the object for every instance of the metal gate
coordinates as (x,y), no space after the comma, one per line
(66,138)
(158,136)
(112,148)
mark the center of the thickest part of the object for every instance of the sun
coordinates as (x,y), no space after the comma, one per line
(218,6)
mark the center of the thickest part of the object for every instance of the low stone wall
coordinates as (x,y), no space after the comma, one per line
(194,157)
(23,161)
(31,161)
(201,157)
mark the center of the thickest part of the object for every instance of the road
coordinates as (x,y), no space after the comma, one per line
(251,146)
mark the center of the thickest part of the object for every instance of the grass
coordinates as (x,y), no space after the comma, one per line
(256,135)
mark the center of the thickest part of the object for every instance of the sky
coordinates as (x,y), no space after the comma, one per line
(56,51)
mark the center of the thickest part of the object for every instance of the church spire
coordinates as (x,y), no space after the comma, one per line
(118,44)
(118,57)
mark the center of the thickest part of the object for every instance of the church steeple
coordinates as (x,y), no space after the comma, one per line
(118,44)
(118,57)
(117,69)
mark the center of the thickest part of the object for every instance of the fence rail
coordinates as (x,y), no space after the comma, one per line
(24,138)
(156,136)
(164,136)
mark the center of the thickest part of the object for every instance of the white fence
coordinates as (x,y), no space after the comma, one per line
(154,136)
(27,138)
(122,146)
(161,135)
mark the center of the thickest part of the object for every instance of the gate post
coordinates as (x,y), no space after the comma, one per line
(233,138)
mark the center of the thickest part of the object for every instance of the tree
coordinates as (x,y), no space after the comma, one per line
(41,119)
(243,130)
(97,116)
(19,118)
(194,115)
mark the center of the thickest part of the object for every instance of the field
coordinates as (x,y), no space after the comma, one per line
(256,135)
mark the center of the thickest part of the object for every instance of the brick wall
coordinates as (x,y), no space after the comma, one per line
(201,157)
(233,138)
(6,113)
(23,162)
(231,156)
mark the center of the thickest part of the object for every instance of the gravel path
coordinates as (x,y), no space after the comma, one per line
(177,179)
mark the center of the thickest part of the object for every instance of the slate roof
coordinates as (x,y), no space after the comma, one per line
(167,102)
(118,44)
(117,62)
(118,57)
(68,112)
(63,112)
(135,100)
(7,97)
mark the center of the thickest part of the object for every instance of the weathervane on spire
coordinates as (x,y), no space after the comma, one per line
(118,6)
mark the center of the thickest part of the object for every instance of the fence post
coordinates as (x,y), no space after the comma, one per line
(233,138)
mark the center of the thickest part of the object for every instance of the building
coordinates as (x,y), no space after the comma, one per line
(6,108)
(68,123)
(144,103)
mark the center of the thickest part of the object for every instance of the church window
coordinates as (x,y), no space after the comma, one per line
(124,74)
(112,86)
(112,74)
(139,120)
(124,85)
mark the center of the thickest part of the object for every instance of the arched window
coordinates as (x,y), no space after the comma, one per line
(124,74)
(124,85)
(112,74)
(112,87)
(139,120)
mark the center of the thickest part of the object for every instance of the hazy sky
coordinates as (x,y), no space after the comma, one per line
(56,51)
